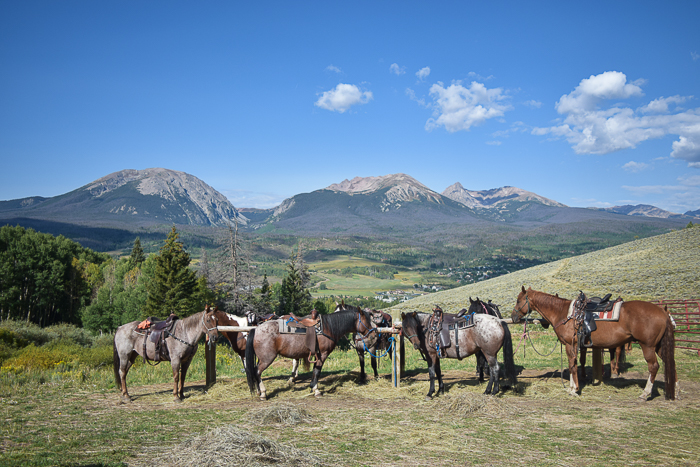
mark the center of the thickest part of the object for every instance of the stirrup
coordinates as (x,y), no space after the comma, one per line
(315,359)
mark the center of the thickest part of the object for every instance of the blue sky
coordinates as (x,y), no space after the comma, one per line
(590,104)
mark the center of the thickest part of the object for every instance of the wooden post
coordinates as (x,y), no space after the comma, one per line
(210,362)
(395,365)
(597,365)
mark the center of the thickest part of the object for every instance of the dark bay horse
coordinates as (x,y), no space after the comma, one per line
(266,343)
(488,335)
(381,320)
(640,321)
(181,342)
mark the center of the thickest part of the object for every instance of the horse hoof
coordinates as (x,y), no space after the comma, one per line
(177,400)
(126,400)
(428,398)
(290,382)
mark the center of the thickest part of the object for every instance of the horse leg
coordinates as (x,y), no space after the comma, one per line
(653,365)
(374,367)
(262,365)
(573,371)
(361,356)
(175,363)
(494,386)
(125,362)
(316,374)
(184,366)
(438,373)
(431,372)
(582,366)
(295,372)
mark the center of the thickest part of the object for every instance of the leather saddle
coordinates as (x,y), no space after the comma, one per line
(156,332)
(442,325)
(310,325)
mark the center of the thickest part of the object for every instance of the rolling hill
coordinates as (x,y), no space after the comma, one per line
(664,266)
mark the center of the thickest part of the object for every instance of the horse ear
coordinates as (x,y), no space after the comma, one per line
(523,287)
(470,300)
(403,315)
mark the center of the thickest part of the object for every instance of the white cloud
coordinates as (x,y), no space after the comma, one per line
(694,55)
(533,103)
(594,130)
(590,91)
(423,73)
(396,69)
(459,108)
(342,97)
(333,68)
(494,143)
(632,166)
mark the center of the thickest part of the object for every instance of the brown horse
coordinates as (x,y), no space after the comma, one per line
(640,321)
(382,344)
(266,343)
(181,343)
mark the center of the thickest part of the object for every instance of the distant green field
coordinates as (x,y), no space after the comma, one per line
(358,284)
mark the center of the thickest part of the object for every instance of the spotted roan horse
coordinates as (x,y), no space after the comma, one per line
(266,343)
(181,343)
(489,334)
(640,321)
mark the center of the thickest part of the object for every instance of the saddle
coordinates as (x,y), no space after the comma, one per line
(586,311)
(156,332)
(441,324)
(310,325)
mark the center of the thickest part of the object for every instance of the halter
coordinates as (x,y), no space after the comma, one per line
(359,333)
(529,307)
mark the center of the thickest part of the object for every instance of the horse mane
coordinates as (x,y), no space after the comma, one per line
(547,300)
(340,323)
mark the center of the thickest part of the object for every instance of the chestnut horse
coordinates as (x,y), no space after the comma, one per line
(266,342)
(487,335)
(640,321)
(181,344)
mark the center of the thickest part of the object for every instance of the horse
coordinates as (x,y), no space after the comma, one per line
(266,343)
(380,319)
(180,343)
(639,321)
(478,306)
(236,338)
(488,335)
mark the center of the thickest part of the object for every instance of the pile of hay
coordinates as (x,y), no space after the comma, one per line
(283,413)
(470,405)
(231,446)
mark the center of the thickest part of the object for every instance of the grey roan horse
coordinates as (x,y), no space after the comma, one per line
(488,334)
(181,343)
(266,342)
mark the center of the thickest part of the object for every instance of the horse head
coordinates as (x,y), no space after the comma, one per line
(411,328)
(210,320)
(522,306)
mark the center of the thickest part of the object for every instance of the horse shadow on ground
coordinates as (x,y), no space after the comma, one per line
(622,382)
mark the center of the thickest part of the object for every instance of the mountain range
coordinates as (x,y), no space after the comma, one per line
(394,205)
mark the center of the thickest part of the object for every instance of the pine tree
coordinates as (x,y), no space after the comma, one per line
(137,256)
(294,296)
(173,287)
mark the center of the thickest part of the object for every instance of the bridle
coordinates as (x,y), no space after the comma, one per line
(359,336)
(529,308)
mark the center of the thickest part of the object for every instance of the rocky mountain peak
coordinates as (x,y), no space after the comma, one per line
(493,197)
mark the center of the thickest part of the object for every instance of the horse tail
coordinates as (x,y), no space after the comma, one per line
(116,363)
(306,363)
(667,352)
(251,368)
(508,361)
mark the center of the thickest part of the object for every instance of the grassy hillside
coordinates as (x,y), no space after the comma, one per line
(661,267)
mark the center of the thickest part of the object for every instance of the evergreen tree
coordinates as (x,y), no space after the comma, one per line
(173,287)
(137,255)
(294,296)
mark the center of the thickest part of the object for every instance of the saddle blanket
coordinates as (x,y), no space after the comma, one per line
(612,315)
(290,327)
